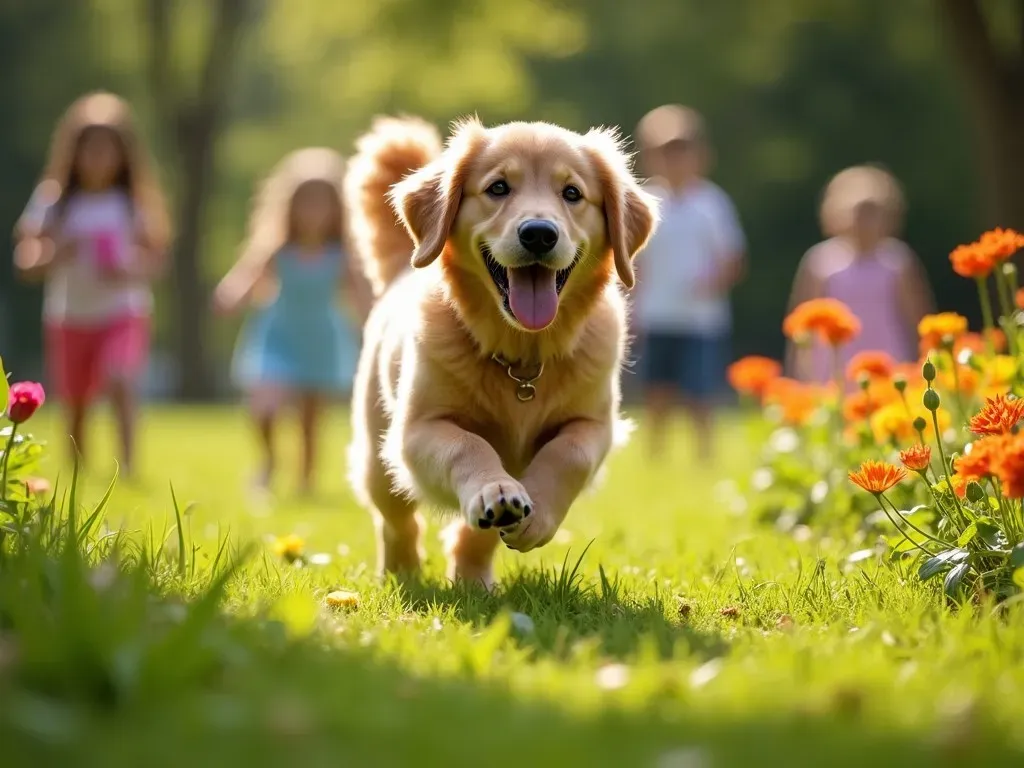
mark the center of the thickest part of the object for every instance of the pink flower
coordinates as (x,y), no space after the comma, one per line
(23,400)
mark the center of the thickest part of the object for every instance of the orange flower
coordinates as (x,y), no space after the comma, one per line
(970,261)
(874,365)
(1020,298)
(979,258)
(858,406)
(998,416)
(1000,244)
(935,330)
(877,476)
(830,319)
(917,458)
(798,401)
(978,459)
(1009,467)
(751,375)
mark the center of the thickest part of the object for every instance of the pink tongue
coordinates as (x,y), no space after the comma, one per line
(532,296)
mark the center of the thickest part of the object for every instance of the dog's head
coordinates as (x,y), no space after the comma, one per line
(533,211)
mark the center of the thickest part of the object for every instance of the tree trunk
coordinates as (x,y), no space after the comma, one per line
(198,120)
(994,84)
(195,156)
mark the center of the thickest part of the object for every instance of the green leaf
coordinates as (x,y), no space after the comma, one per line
(954,580)
(1017,556)
(968,535)
(5,388)
(993,537)
(933,566)
(1018,577)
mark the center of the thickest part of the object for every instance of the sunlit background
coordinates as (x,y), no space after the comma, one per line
(793,91)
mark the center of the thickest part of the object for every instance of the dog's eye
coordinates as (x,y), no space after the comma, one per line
(500,188)
(572,194)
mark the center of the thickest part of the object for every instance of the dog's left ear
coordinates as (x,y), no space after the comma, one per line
(428,200)
(630,213)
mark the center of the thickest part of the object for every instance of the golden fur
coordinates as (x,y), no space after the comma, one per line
(436,419)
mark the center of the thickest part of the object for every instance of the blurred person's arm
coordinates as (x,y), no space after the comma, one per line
(238,286)
(35,254)
(807,285)
(730,247)
(357,294)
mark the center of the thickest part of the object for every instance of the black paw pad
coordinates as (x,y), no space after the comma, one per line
(508,517)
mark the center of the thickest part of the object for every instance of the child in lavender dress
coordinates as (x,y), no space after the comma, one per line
(864,265)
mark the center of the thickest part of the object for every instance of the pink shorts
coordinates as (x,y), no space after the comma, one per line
(84,359)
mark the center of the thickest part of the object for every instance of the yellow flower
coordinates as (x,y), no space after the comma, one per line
(289,547)
(343,599)
(892,422)
(933,329)
(1001,370)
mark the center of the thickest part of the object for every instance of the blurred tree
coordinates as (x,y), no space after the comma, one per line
(987,40)
(195,117)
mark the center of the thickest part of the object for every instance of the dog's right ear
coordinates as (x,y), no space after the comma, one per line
(428,200)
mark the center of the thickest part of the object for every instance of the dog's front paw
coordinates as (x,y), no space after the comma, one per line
(498,504)
(530,533)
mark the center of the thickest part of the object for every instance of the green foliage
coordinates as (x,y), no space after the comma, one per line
(792,94)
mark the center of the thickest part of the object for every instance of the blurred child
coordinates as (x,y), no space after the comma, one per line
(697,254)
(297,347)
(864,265)
(96,231)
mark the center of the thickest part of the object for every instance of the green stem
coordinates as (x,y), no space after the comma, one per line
(1009,519)
(881,500)
(7,460)
(947,469)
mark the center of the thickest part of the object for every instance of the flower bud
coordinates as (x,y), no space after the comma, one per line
(928,371)
(864,381)
(975,492)
(920,424)
(931,400)
(900,382)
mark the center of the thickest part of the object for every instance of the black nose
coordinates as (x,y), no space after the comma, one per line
(538,236)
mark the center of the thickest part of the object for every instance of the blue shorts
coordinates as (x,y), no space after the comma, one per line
(692,364)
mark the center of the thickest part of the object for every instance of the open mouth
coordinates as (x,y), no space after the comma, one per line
(530,294)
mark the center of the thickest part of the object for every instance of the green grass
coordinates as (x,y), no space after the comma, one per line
(669,630)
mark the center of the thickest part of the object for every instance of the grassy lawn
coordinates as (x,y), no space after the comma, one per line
(687,636)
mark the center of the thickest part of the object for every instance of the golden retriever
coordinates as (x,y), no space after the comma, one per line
(489,377)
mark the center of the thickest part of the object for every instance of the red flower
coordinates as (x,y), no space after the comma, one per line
(23,400)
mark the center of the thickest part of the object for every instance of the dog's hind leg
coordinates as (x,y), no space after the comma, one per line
(470,553)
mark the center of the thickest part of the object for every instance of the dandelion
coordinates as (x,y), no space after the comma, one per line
(873,364)
(830,319)
(998,416)
(939,330)
(290,547)
(753,374)
(343,599)
(916,458)
(877,477)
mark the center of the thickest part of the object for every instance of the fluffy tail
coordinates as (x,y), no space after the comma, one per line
(393,148)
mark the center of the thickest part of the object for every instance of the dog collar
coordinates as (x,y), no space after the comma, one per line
(519,373)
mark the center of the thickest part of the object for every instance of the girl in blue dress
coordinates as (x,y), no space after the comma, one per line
(298,346)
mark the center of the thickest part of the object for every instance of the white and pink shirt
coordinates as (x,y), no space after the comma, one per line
(78,292)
